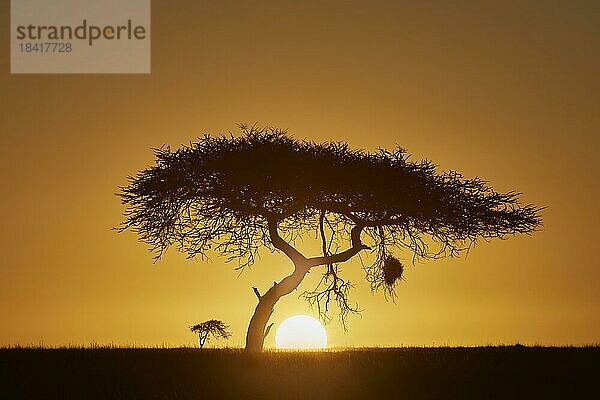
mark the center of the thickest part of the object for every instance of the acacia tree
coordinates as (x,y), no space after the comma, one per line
(234,195)
(211,328)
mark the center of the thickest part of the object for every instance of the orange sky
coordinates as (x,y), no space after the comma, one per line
(508,92)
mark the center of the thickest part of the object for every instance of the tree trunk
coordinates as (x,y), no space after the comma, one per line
(256,334)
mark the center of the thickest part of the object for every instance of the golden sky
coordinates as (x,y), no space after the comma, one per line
(508,91)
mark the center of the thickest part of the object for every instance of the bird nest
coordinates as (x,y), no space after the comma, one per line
(392,270)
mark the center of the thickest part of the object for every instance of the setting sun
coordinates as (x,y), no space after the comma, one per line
(301,332)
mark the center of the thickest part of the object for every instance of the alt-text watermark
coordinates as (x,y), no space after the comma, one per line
(80,36)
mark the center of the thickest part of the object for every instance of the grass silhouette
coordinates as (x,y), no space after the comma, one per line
(178,373)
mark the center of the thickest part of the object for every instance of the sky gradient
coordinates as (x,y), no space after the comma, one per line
(507,91)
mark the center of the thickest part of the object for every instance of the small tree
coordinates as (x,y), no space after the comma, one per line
(212,328)
(236,194)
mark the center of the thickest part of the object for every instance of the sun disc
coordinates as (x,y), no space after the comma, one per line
(301,332)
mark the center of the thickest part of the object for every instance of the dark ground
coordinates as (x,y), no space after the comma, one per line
(509,372)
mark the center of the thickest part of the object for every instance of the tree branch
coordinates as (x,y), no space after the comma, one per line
(268,329)
(357,246)
(322,232)
(280,244)
(256,292)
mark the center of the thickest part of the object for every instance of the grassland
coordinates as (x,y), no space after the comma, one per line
(507,372)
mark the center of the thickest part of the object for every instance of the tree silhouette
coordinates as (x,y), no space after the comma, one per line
(211,328)
(234,195)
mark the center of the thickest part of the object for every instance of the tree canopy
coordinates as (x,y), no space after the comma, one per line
(235,194)
(211,328)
